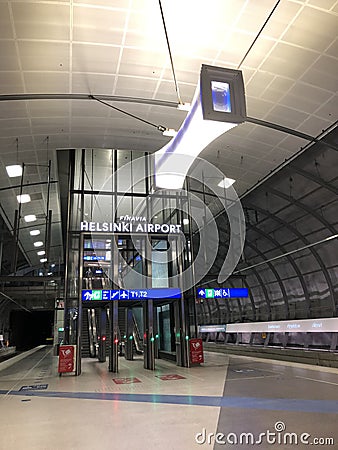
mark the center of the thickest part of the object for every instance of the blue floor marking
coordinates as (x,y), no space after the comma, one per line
(277,404)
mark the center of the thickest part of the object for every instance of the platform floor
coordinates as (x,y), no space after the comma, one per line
(249,402)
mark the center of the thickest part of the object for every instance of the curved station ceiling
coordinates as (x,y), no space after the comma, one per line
(61,59)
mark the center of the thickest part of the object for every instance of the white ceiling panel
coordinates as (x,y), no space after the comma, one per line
(322,73)
(305,97)
(42,82)
(98,25)
(41,20)
(11,82)
(9,59)
(13,110)
(312,29)
(94,58)
(332,50)
(277,89)
(6,30)
(286,116)
(314,125)
(289,60)
(93,83)
(281,20)
(329,110)
(45,108)
(44,56)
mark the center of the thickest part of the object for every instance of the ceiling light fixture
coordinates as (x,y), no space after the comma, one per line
(218,106)
(23,198)
(185,221)
(169,132)
(34,232)
(14,170)
(43,260)
(184,106)
(38,244)
(41,253)
(226,183)
(30,218)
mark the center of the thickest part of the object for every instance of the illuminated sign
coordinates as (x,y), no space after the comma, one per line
(94,258)
(130,227)
(129,294)
(286,326)
(222,293)
(212,329)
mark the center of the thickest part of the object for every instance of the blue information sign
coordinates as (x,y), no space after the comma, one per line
(222,293)
(130,294)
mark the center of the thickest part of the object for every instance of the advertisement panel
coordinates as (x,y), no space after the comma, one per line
(66,358)
(196,351)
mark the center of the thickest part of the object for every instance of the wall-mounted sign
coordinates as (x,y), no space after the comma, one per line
(284,326)
(212,328)
(129,294)
(222,293)
(130,227)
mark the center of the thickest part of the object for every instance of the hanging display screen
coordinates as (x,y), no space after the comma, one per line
(222,94)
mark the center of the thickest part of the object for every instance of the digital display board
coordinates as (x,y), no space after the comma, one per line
(222,293)
(129,294)
(220,96)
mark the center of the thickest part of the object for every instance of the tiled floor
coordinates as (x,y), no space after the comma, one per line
(248,402)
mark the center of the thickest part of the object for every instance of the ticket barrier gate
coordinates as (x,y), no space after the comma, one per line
(102,338)
(129,336)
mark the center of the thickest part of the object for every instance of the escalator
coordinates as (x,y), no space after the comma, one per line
(85,332)
(90,333)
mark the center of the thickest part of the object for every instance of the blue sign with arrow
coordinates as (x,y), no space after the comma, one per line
(222,293)
(130,294)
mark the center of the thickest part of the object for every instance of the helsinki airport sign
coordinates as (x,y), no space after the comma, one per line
(128,225)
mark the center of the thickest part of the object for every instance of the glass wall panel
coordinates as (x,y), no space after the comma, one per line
(76,212)
(98,170)
(159,264)
(138,173)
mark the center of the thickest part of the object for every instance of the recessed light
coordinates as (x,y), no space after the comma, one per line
(23,198)
(30,218)
(43,260)
(34,232)
(14,170)
(226,183)
(41,253)
(38,244)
